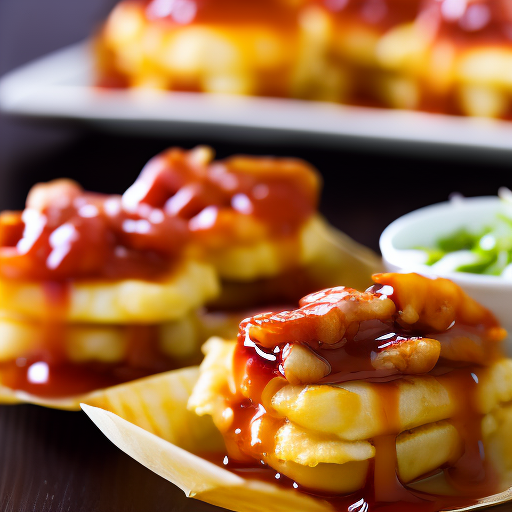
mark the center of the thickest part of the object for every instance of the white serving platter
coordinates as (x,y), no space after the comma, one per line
(60,85)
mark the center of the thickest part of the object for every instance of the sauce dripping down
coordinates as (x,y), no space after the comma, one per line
(257,361)
(48,372)
(472,476)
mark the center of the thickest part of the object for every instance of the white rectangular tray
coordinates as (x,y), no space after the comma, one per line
(60,85)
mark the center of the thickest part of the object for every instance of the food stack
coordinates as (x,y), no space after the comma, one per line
(100,289)
(438,55)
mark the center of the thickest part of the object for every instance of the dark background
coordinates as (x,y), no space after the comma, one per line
(58,461)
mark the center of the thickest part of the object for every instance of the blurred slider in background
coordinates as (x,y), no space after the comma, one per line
(447,56)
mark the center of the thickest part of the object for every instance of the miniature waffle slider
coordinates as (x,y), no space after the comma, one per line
(396,394)
(218,46)
(92,295)
(96,290)
(467,70)
(255,220)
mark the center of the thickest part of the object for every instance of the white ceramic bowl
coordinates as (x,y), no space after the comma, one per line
(425,226)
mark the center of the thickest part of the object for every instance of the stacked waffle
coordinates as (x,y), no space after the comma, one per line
(96,289)
(92,295)
(470,57)
(388,392)
(220,46)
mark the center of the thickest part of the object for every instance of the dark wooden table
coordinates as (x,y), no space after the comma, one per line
(54,461)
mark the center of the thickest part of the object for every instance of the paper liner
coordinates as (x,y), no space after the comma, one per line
(149,421)
(134,401)
(195,476)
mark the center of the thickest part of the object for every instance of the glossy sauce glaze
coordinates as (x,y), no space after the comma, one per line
(280,193)
(257,366)
(350,358)
(177,201)
(91,237)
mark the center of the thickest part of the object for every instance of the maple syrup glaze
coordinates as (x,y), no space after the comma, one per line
(256,364)
(180,201)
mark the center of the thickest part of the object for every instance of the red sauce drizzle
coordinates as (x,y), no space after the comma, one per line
(282,193)
(381,14)
(256,364)
(66,233)
(181,202)
(90,237)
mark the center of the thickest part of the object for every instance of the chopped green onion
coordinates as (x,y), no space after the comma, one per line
(488,251)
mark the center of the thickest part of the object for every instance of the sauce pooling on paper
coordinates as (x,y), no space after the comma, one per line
(48,371)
